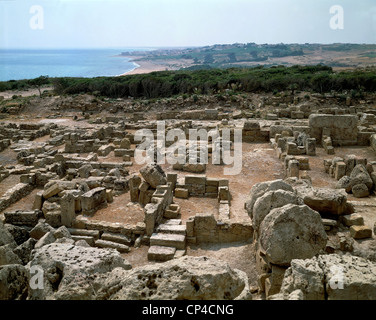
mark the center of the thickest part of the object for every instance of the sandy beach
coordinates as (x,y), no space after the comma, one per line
(145,66)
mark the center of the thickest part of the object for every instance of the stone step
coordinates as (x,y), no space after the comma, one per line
(26,218)
(84,232)
(168,240)
(113,245)
(115,237)
(172,229)
(173,222)
(159,253)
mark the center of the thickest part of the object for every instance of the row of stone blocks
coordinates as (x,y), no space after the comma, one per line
(95,238)
(201,186)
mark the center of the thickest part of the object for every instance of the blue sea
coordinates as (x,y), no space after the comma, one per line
(29,64)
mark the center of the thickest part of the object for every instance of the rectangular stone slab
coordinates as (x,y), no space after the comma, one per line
(158,253)
(168,240)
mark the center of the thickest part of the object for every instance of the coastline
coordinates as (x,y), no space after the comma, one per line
(144,66)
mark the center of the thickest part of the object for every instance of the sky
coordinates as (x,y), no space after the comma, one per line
(43,24)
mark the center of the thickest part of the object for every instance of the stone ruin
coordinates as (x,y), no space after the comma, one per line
(298,231)
(291,224)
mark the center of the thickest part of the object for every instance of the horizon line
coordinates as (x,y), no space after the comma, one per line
(177,47)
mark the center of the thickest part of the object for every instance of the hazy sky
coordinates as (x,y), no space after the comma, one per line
(151,23)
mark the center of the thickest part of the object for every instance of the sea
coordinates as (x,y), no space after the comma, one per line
(29,64)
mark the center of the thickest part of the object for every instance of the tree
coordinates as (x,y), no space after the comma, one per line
(208,59)
(232,57)
(293,87)
(38,83)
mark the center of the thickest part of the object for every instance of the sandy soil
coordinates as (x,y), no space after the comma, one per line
(121,210)
(24,93)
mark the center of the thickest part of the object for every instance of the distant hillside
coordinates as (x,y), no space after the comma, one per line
(251,54)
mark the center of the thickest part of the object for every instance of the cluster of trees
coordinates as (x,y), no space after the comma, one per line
(163,84)
(37,83)
(260,79)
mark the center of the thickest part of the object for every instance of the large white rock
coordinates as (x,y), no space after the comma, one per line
(292,232)
(271,200)
(191,278)
(325,200)
(69,270)
(259,189)
(332,277)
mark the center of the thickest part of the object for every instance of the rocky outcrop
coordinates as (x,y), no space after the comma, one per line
(13,282)
(192,278)
(68,268)
(330,277)
(82,273)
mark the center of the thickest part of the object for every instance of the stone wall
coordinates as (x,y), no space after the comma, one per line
(342,129)
(14,194)
(204,228)
(252,132)
(155,210)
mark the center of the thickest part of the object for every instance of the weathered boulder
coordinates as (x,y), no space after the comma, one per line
(23,251)
(271,200)
(68,269)
(19,234)
(45,240)
(6,237)
(154,175)
(52,190)
(125,143)
(360,190)
(259,189)
(344,183)
(292,232)
(192,278)
(13,282)
(62,232)
(325,200)
(7,256)
(331,277)
(84,171)
(40,230)
(360,175)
